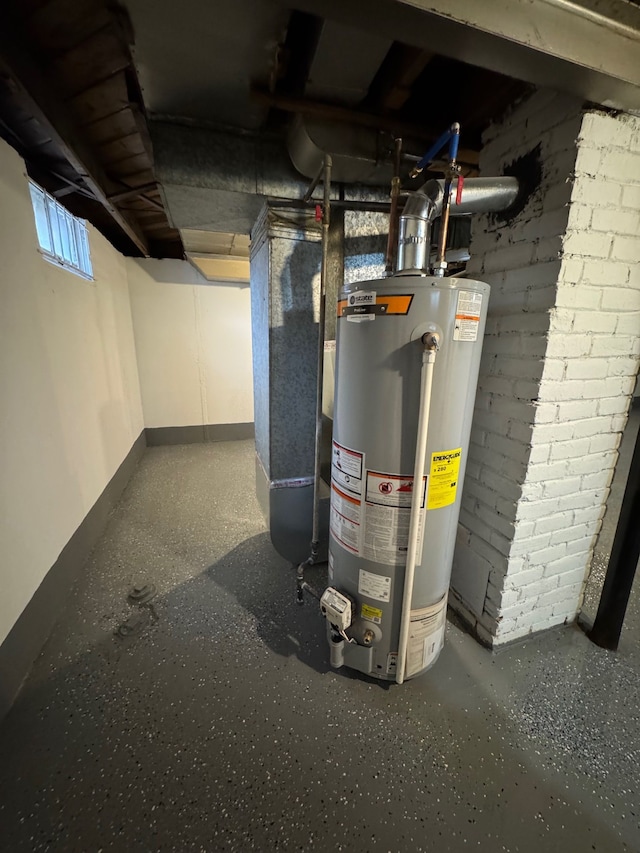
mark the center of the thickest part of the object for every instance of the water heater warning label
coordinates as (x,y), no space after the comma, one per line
(387,516)
(374,586)
(426,636)
(391,489)
(443,478)
(345,519)
(346,468)
(371,614)
(467,316)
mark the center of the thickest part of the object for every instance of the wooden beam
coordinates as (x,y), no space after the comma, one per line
(158,226)
(132,192)
(143,197)
(71,187)
(298,51)
(155,204)
(121,168)
(391,87)
(345,115)
(36,95)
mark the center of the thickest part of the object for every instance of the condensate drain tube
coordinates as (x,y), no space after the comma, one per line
(430,341)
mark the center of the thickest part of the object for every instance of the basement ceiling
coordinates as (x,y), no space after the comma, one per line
(252,64)
(70,104)
(218,255)
(83,84)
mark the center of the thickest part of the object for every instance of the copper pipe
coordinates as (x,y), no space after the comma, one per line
(392,239)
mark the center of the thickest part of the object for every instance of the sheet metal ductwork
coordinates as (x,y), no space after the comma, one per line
(354,151)
(479,195)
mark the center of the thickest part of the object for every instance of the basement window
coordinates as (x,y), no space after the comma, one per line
(62,237)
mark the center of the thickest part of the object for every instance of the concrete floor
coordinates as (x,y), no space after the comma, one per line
(216,724)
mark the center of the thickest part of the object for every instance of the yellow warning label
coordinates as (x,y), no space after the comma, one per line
(443,479)
(373,614)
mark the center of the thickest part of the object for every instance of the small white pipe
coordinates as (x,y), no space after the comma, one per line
(426,383)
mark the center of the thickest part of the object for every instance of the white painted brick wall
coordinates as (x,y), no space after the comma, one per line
(560,358)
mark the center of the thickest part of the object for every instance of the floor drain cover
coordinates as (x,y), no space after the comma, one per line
(133,626)
(142,594)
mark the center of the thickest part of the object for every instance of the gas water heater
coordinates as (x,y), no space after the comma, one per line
(407,359)
(380,345)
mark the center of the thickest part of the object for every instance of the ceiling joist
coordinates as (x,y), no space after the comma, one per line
(34,94)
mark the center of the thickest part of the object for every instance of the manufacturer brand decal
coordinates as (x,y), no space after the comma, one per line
(359,304)
(362,297)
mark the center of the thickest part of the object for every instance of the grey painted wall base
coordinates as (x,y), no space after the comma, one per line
(27,637)
(195,434)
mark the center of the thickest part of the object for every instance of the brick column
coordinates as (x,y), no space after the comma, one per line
(560,357)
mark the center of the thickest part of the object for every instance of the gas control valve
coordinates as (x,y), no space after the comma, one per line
(337,608)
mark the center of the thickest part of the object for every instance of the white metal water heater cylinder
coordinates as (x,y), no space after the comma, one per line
(377,399)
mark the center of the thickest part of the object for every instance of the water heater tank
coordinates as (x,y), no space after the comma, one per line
(376,408)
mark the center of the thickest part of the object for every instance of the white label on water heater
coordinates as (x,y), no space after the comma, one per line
(467,316)
(426,636)
(392,489)
(387,516)
(361,304)
(346,468)
(373,586)
(344,519)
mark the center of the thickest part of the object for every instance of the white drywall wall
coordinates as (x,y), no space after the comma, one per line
(193,340)
(69,391)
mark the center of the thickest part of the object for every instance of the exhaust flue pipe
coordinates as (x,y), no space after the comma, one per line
(479,195)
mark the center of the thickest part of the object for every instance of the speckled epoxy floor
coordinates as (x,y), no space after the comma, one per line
(218,725)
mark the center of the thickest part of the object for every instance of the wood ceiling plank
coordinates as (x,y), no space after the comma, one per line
(104,99)
(160,225)
(60,25)
(132,165)
(133,193)
(133,180)
(96,59)
(121,149)
(36,95)
(141,205)
(391,87)
(110,128)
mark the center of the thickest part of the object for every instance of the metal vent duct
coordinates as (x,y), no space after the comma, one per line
(354,151)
